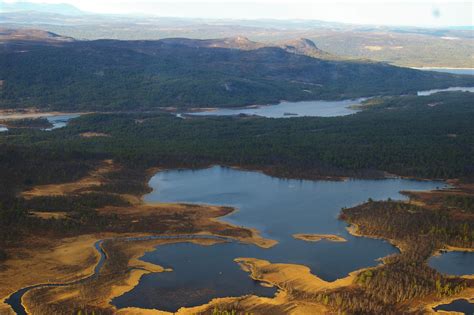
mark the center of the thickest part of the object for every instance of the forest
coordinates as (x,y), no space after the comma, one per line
(406,136)
(419,231)
(399,135)
(112,75)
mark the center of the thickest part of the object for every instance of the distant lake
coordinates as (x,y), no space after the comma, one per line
(453,263)
(58,121)
(468,71)
(276,207)
(451,89)
(290,109)
(306,108)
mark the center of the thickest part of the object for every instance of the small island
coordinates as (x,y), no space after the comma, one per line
(319,237)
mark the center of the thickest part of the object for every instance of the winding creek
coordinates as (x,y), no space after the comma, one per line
(15,299)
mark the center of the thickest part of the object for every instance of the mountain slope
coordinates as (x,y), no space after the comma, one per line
(110,75)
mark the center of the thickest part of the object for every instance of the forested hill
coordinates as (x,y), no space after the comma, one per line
(117,75)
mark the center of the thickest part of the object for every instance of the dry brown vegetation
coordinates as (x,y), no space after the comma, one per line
(94,179)
(319,237)
(93,134)
(43,260)
(53,259)
(120,273)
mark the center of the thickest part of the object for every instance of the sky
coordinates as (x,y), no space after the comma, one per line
(382,12)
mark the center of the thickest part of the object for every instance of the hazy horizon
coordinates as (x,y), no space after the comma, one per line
(394,13)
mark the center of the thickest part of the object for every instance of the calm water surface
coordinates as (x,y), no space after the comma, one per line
(278,208)
(468,71)
(307,108)
(451,89)
(291,109)
(462,306)
(453,263)
(60,121)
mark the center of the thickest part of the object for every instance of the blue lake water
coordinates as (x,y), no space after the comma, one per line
(57,121)
(60,121)
(451,89)
(278,208)
(468,71)
(290,109)
(453,263)
(306,108)
(461,305)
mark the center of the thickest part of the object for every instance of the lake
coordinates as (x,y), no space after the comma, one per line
(305,108)
(57,121)
(468,71)
(461,305)
(290,109)
(60,121)
(453,263)
(276,207)
(451,89)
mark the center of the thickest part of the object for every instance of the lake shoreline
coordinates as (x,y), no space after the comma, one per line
(153,171)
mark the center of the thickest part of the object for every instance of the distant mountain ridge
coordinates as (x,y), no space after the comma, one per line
(302,46)
(404,46)
(58,8)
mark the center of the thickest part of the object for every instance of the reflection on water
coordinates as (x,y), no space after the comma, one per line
(278,208)
(291,109)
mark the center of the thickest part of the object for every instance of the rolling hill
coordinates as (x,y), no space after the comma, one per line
(51,71)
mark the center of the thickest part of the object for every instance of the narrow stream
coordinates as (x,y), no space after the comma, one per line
(15,299)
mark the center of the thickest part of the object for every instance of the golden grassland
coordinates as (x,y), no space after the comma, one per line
(120,273)
(48,261)
(93,179)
